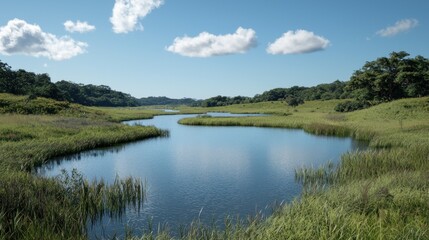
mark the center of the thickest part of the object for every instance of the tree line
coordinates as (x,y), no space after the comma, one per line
(384,79)
(293,96)
(34,85)
(150,101)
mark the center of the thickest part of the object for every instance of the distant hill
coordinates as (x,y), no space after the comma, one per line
(34,85)
(149,101)
(327,91)
(384,79)
(93,95)
(21,82)
(381,80)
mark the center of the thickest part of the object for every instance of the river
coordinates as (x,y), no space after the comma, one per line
(205,172)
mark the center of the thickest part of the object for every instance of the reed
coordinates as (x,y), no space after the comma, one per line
(33,207)
(380,193)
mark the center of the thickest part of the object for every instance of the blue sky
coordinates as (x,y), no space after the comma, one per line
(199,49)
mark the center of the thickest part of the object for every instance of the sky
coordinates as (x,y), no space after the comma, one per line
(205,48)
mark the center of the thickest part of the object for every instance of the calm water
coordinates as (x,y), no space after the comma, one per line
(206,172)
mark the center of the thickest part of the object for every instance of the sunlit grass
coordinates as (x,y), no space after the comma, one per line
(381,193)
(33,207)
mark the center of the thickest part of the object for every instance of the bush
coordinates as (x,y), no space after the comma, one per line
(350,106)
(294,101)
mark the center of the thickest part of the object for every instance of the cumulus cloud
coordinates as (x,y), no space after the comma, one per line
(126,14)
(207,44)
(400,26)
(299,41)
(81,27)
(19,37)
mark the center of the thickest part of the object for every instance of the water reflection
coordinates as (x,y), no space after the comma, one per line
(206,172)
(55,163)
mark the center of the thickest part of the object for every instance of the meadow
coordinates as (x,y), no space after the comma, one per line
(381,193)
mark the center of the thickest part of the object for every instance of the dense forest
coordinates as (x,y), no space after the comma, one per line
(381,80)
(150,101)
(34,85)
(386,79)
(335,90)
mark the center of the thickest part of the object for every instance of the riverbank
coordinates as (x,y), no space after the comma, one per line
(34,131)
(381,193)
(377,194)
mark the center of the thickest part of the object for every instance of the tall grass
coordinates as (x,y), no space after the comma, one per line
(380,193)
(33,207)
(61,206)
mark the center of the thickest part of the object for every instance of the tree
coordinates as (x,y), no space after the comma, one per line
(294,101)
(6,76)
(414,77)
(395,77)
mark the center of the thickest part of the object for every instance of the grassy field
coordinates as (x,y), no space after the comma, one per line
(34,131)
(382,193)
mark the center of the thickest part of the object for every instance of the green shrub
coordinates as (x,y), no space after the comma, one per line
(350,106)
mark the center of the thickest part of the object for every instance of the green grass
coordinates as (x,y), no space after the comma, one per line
(382,193)
(34,131)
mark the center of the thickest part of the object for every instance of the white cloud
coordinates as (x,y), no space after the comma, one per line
(126,14)
(19,37)
(400,26)
(81,27)
(207,44)
(299,41)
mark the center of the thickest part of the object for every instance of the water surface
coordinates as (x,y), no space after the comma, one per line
(206,172)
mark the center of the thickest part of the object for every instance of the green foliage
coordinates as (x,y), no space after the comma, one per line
(334,90)
(219,101)
(350,106)
(294,101)
(92,95)
(397,76)
(388,199)
(33,207)
(21,82)
(380,193)
(152,101)
(38,208)
(386,79)
(32,105)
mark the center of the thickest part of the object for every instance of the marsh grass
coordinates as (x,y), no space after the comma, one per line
(32,132)
(380,193)
(61,206)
